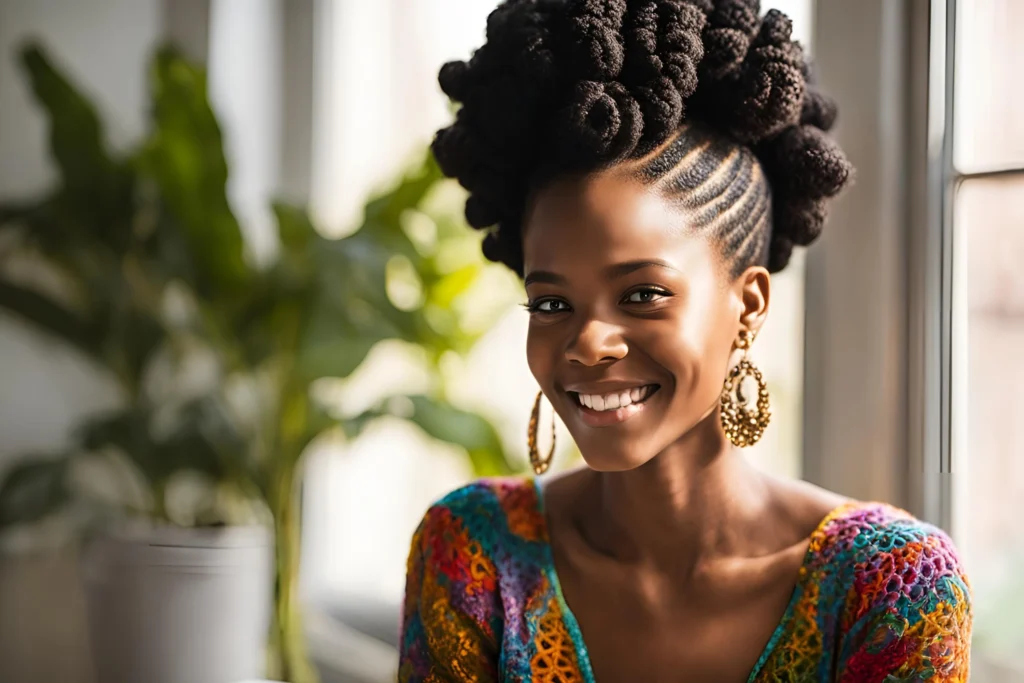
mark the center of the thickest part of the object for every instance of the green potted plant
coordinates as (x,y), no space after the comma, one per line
(140,265)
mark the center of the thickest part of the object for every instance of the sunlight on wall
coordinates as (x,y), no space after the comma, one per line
(244,83)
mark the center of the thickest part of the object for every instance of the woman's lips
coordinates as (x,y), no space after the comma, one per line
(609,417)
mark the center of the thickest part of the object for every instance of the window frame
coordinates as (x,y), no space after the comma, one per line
(904,74)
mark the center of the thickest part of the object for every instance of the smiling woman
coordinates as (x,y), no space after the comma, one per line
(609,251)
(646,166)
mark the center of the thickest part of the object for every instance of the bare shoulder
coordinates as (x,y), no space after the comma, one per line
(804,503)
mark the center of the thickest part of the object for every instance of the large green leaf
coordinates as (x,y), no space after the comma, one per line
(353,427)
(444,422)
(347,307)
(185,156)
(32,489)
(50,317)
(138,335)
(97,190)
(294,227)
(39,223)
(349,310)
(320,420)
(411,189)
(15,215)
(451,286)
(186,445)
(469,430)
(336,338)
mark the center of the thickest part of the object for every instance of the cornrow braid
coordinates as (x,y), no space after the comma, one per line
(705,99)
(721,186)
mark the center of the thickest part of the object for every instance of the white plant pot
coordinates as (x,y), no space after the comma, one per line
(172,605)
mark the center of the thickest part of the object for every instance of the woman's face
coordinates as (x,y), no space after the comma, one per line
(633,318)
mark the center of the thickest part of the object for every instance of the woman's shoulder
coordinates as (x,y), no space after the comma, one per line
(489,511)
(490,492)
(894,589)
(886,558)
(861,532)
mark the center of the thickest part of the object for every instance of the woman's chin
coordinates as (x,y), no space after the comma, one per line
(603,459)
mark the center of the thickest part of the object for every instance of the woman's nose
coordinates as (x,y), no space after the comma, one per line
(595,343)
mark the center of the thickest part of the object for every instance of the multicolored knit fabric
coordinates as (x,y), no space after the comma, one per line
(880,597)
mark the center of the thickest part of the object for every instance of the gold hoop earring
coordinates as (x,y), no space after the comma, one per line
(540,464)
(744,425)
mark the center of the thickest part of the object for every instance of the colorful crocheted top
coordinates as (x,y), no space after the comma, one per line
(880,597)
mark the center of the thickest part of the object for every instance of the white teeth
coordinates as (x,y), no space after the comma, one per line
(602,402)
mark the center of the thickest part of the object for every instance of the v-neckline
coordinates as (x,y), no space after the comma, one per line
(573,626)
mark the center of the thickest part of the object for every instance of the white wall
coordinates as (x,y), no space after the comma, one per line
(104,45)
(245,91)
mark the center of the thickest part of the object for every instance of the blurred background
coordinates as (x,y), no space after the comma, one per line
(237,300)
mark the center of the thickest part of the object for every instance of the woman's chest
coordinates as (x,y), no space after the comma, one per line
(635,632)
(544,643)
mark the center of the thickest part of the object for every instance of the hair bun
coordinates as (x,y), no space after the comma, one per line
(725,49)
(602,120)
(594,49)
(481,213)
(776,29)
(799,221)
(805,168)
(503,246)
(818,109)
(768,95)
(574,85)
(779,252)
(453,79)
(739,15)
(805,161)
(663,50)
(453,149)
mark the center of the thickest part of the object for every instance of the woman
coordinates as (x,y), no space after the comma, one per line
(645,165)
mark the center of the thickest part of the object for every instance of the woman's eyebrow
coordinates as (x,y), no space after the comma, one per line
(621,269)
(544,276)
(611,272)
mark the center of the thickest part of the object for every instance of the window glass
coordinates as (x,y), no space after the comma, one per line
(989,471)
(989,111)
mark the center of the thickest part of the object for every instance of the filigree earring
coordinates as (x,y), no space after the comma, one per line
(743,422)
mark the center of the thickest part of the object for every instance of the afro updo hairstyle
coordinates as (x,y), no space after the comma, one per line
(705,99)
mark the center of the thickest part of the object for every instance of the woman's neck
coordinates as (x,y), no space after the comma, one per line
(696,501)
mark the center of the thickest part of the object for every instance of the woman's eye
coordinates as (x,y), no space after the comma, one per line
(644,296)
(548,306)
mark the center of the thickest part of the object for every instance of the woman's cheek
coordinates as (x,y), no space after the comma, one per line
(537,354)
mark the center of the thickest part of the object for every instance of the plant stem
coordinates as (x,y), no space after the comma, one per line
(289,659)
(160,502)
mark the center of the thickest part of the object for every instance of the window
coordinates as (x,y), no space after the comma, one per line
(988,318)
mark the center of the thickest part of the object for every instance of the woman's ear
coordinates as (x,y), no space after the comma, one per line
(754,288)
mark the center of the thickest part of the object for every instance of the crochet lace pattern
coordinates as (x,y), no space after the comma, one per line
(880,597)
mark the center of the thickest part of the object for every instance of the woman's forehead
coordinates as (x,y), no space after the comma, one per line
(605,219)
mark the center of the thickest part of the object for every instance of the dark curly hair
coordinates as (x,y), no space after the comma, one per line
(706,101)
